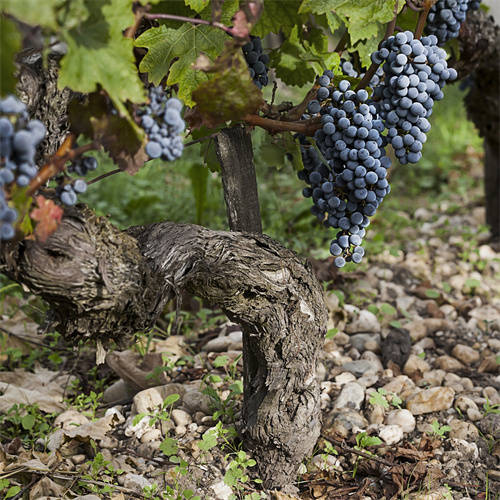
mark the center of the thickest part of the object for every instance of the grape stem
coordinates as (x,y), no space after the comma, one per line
(103,176)
(191,20)
(374,66)
(57,163)
(342,43)
(306,127)
(412,6)
(118,170)
(422,18)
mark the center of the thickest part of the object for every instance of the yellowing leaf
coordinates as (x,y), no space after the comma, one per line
(230,94)
(99,54)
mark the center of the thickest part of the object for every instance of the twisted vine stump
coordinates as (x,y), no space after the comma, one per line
(106,284)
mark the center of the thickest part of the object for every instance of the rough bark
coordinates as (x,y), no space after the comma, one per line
(480,65)
(106,284)
(235,154)
(37,88)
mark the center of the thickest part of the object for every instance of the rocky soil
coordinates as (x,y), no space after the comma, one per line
(410,378)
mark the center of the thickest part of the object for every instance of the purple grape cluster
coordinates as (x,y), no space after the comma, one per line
(19,138)
(446,16)
(257,61)
(348,187)
(415,71)
(68,192)
(163,124)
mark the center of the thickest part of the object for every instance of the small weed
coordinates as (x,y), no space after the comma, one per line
(491,408)
(8,490)
(163,413)
(438,430)
(330,334)
(26,422)
(87,404)
(379,398)
(236,476)
(363,440)
(99,470)
(224,409)
(447,495)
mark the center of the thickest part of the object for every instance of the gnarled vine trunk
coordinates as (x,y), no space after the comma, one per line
(104,283)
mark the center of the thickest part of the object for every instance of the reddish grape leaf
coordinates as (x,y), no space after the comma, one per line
(120,137)
(48,216)
(232,81)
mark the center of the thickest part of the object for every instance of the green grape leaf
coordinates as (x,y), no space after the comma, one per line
(74,14)
(34,12)
(365,20)
(230,79)
(278,18)
(279,150)
(183,45)
(10,41)
(299,59)
(98,54)
(197,5)
(321,6)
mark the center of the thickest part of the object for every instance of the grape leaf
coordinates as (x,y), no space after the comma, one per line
(34,12)
(232,80)
(197,5)
(321,6)
(299,60)
(48,216)
(184,44)
(10,41)
(364,19)
(280,150)
(279,18)
(98,54)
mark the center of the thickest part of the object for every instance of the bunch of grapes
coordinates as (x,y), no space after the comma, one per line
(19,138)
(257,61)
(446,16)
(349,187)
(162,121)
(415,71)
(68,191)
